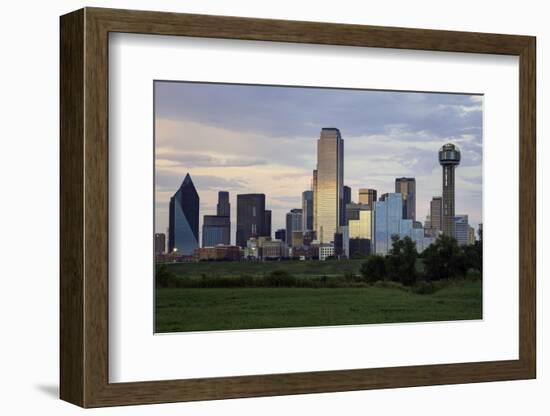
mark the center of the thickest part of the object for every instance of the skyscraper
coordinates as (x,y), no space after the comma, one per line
(183,228)
(223,209)
(329,186)
(266,229)
(250,217)
(346,200)
(436,214)
(449,159)
(407,188)
(280,234)
(387,221)
(462,229)
(367,196)
(307,210)
(160,243)
(216,229)
(294,223)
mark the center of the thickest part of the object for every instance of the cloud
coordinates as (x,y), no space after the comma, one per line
(264,139)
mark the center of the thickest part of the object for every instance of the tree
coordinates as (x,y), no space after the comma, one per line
(401,261)
(474,256)
(444,259)
(374,269)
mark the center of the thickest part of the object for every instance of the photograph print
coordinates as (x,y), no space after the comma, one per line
(290,206)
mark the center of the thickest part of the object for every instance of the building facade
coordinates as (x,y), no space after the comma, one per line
(449,159)
(462,230)
(266,230)
(280,234)
(436,214)
(407,188)
(215,230)
(223,208)
(307,210)
(329,186)
(367,196)
(250,217)
(160,243)
(294,222)
(183,227)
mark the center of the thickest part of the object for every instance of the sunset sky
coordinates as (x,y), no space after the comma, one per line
(262,139)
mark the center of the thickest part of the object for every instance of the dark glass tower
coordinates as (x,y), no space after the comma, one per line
(250,217)
(183,229)
(266,230)
(449,159)
(345,201)
(223,208)
(307,210)
(407,188)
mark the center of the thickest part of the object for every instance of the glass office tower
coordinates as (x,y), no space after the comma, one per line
(183,229)
(328,181)
(294,222)
(407,188)
(307,210)
(387,221)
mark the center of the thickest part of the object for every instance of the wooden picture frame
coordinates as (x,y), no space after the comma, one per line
(84,207)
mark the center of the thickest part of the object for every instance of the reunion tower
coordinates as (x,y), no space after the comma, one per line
(449,159)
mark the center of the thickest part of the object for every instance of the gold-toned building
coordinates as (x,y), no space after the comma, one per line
(328,184)
(362,227)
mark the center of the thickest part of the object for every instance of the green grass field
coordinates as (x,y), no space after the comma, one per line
(184,309)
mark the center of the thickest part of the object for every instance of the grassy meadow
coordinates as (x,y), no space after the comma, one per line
(180,309)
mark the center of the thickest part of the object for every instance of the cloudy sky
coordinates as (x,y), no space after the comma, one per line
(249,138)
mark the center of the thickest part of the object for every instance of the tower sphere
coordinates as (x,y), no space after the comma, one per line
(449,154)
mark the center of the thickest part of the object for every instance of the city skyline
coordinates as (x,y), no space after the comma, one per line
(259,158)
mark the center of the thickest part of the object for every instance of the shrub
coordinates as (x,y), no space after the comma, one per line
(424,288)
(165,278)
(280,278)
(374,269)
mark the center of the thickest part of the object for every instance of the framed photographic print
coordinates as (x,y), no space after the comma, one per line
(255,207)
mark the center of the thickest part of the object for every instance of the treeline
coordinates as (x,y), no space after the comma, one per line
(442,260)
(403,267)
(277,278)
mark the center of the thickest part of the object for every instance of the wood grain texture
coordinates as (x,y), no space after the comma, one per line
(84,207)
(71,100)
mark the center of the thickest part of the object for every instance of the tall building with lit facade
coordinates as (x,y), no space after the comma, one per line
(307,210)
(367,196)
(250,217)
(294,222)
(183,228)
(449,159)
(407,188)
(328,184)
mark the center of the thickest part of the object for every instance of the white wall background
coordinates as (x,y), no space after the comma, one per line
(29,85)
